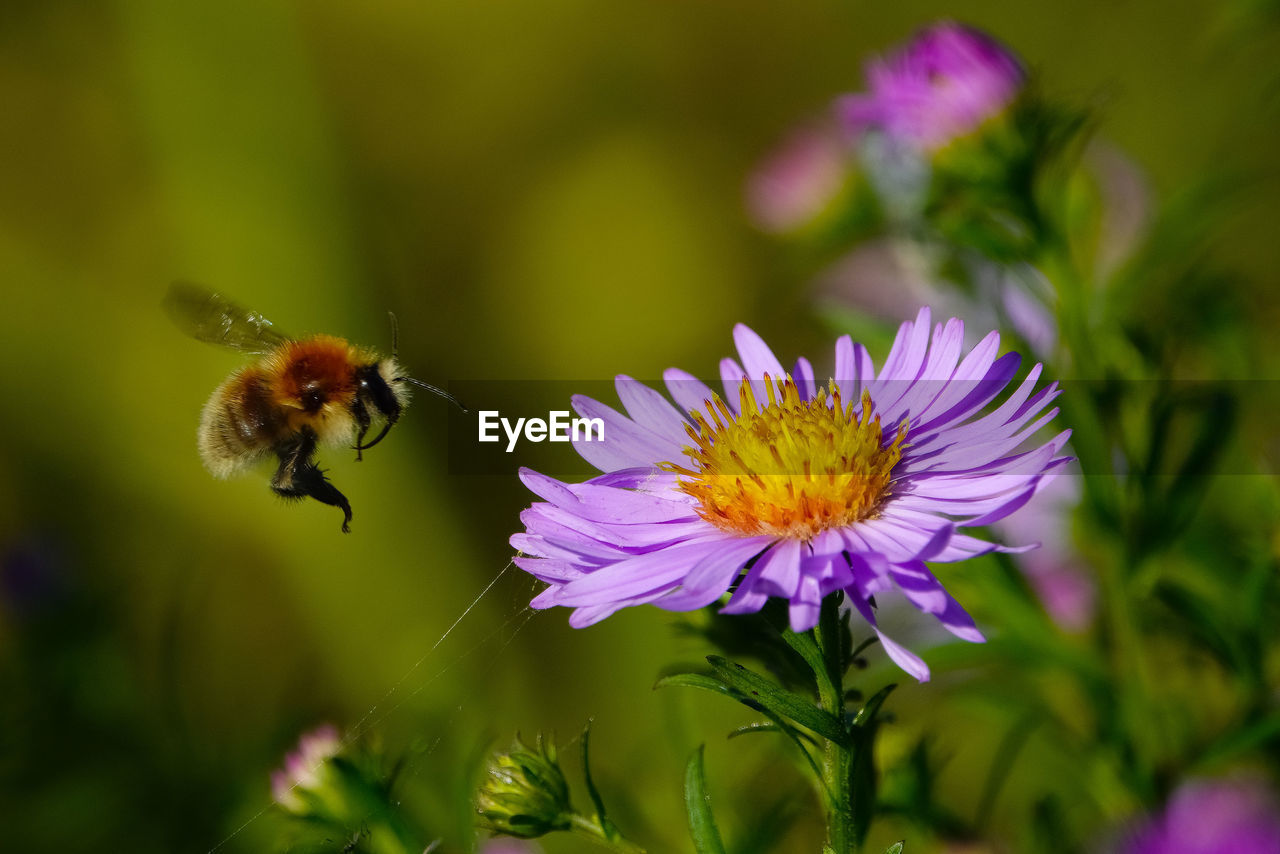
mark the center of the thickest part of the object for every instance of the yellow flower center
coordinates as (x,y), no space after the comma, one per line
(793,468)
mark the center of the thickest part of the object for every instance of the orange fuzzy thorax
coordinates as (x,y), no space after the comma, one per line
(313,381)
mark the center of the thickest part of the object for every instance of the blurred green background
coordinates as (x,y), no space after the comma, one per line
(547,190)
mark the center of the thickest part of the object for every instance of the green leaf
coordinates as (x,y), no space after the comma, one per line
(709,683)
(1264,734)
(872,707)
(895,848)
(751,729)
(803,643)
(592,791)
(760,692)
(862,769)
(697,680)
(702,823)
(808,648)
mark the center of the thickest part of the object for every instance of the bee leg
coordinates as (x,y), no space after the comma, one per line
(299,477)
(361,414)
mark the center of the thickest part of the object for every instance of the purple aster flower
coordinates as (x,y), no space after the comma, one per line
(1213,817)
(943,84)
(850,485)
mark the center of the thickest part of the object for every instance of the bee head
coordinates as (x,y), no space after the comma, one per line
(378,387)
(381,387)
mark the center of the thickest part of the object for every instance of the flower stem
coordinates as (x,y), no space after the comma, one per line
(588,827)
(837,758)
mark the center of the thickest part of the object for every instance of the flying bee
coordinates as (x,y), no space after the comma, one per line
(299,395)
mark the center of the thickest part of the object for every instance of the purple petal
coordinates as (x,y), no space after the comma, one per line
(756,356)
(647,479)
(854,369)
(607,504)
(549,570)
(805,605)
(583,617)
(900,543)
(559,548)
(546,599)
(626,443)
(780,569)
(803,375)
(906,356)
(708,580)
(690,392)
(904,658)
(650,409)
(638,575)
(624,536)
(967,397)
(971,512)
(732,375)
(748,598)
(924,591)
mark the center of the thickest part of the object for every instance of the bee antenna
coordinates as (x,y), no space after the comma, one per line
(434,389)
(395,335)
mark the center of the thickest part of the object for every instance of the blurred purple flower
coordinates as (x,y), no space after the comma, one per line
(1055,570)
(811,489)
(888,278)
(1228,816)
(941,85)
(799,180)
(34,576)
(304,767)
(1127,207)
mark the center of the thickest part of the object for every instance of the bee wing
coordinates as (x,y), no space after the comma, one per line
(209,316)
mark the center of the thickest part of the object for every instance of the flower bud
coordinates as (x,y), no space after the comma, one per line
(524,792)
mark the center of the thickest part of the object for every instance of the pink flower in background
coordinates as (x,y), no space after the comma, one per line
(941,85)
(304,768)
(1229,816)
(798,180)
(1055,570)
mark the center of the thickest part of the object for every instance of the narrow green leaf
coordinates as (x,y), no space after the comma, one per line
(868,712)
(702,823)
(768,726)
(592,791)
(895,848)
(1264,734)
(805,644)
(772,697)
(696,680)
(750,729)
(862,768)
(709,683)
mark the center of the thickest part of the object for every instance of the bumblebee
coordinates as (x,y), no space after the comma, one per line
(301,394)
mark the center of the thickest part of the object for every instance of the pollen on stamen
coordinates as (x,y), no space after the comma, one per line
(791,468)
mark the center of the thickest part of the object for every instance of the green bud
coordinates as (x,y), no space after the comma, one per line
(524,792)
